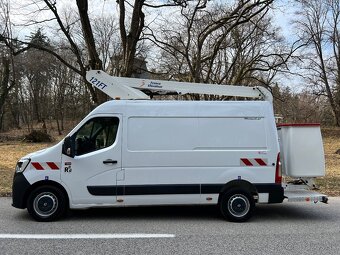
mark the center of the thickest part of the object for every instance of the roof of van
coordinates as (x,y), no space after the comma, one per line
(185,108)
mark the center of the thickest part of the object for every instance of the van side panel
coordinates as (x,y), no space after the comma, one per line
(157,134)
(196,145)
(231,133)
(194,142)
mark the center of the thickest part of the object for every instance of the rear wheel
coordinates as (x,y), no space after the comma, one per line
(237,205)
(46,203)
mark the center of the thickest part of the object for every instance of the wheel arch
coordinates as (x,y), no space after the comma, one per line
(241,184)
(47,183)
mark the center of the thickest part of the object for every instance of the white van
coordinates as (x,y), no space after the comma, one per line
(132,153)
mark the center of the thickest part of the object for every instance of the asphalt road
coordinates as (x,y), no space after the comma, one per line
(288,228)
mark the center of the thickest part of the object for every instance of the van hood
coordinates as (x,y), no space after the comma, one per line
(49,154)
(36,153)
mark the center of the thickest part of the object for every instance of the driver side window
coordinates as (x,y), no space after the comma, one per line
(96,134)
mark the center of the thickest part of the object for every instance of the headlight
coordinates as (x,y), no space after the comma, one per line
(22,164)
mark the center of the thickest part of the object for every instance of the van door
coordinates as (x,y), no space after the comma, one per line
(91,175)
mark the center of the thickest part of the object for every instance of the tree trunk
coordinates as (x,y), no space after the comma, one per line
(95,62)
(4,83)
(130,39)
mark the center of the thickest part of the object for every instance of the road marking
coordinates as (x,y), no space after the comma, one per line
(84,236)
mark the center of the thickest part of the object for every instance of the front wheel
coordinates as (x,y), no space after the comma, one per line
(237,205)
(46,203)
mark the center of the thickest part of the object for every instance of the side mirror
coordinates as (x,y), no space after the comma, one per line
(68,147)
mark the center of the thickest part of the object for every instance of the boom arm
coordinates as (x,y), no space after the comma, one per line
(129,88)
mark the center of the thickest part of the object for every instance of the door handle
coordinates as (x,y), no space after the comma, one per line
(110,161)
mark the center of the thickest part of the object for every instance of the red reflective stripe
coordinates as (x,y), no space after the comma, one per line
(52,165)
(37,166)
(260,162)
(246,162)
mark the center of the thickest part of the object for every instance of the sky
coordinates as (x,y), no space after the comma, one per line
(24,12)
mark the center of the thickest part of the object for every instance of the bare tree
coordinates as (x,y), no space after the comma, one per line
(229,44)
(106,33)
(319,26)
(80,67)
(6,60)
(132,24)
(299,106)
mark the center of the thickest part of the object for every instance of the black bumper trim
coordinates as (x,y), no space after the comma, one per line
(276,193)
(275,190)
(19,190)
(163,189)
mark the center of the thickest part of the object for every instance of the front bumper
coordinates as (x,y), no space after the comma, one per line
(19,190)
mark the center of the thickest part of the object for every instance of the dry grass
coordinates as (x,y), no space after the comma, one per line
(330,184)
(10,152)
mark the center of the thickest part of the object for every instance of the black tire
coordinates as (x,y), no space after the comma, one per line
(46,203)
(237,205)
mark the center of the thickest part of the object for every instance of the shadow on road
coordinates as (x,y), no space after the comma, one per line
(282,212)
(149,213)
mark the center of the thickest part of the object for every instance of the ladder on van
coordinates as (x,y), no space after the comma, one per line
(132,88)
